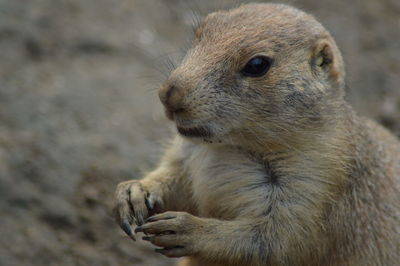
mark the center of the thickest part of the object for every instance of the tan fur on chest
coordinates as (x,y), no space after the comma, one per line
(228,183)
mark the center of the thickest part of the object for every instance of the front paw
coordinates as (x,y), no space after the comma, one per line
(134,202)
(176,232)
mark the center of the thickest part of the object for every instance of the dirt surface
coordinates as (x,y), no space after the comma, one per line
(79,110)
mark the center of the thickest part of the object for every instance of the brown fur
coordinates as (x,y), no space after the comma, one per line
(271,170)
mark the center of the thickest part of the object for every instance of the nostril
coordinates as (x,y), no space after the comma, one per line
(170,91)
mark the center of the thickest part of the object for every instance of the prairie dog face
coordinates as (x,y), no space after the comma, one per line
(259,70)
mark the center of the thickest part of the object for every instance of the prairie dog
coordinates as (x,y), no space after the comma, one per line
(271,165)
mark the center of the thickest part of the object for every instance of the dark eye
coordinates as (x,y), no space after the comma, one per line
(257,66)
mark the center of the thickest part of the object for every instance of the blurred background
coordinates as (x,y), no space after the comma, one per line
(79,110)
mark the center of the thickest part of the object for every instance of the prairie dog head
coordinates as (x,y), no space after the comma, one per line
(261,71)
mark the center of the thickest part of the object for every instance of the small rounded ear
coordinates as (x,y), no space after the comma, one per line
(324,55)
(326,58)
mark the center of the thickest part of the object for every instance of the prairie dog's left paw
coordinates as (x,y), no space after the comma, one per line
(176,232)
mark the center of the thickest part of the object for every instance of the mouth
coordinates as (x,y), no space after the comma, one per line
(196,132)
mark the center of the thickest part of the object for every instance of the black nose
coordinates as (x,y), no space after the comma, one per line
(171,97)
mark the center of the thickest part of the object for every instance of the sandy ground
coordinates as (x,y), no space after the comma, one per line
(79,110)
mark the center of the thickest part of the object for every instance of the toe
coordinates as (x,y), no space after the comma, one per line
(161,216)
(165,240)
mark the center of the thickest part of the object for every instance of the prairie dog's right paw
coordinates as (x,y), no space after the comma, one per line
(133,204)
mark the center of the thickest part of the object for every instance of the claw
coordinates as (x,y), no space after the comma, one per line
(138,229)
(149,203)
(127,229)
(147,238)
(157,217)
(150,219)
(139,220)
(160,250)
(177,251)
